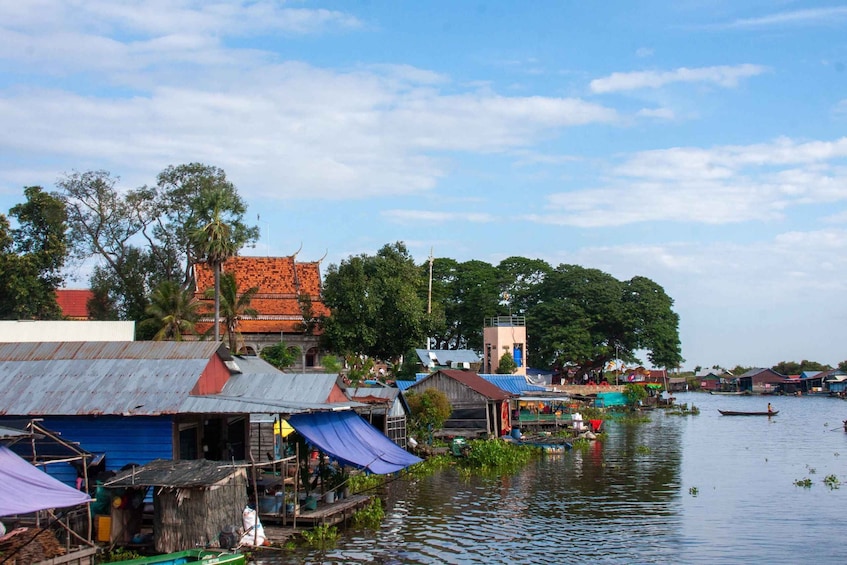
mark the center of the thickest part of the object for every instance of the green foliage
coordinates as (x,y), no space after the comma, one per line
(794,368)
(805,483)
(581,444)
(331,364)
(643,450)
(370,516)
(634,393)
(496,457)
(377,309)
(430,409)
(280,355)
(693,491)
(507,364)
(321,537)
(32,257)
(120,554)
(362,482)
(586,317)
(430,465)
(172,312)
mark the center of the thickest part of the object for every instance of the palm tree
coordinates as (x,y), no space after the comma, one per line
(215,245)
(173,310)
(233,307)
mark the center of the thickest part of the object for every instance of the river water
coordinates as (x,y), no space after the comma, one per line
(701,488)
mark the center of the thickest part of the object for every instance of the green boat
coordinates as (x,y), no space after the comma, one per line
(206,556)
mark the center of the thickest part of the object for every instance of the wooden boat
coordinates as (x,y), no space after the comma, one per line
(735,413)
(206,556)
(730,392)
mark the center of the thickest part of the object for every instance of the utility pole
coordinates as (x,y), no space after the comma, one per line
(429,294)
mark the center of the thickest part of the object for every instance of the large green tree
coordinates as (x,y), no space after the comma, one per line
(585,318)
(143,236)
(32,257)
(376,304)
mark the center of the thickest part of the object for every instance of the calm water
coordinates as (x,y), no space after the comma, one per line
(710,489)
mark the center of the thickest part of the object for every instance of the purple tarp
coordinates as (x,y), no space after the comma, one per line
(351,440)
(25,488)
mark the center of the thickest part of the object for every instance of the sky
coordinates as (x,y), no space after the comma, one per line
(702,144)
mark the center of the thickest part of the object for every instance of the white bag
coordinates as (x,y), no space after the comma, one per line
(254,533)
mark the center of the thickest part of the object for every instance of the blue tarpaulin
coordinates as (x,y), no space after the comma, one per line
(351,440)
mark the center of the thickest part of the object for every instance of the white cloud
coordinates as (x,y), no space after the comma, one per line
(725,76)
(644,52)
(811,16)
(428,216)
(841,108)
(658,113)
(727,184)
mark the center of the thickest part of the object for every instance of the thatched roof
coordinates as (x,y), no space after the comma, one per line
(179,474)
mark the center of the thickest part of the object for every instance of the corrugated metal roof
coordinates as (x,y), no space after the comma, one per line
(179,474)
(75,378)
(259,387)
(443,357)
(515,384)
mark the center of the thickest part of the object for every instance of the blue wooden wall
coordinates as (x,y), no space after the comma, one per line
(136,439)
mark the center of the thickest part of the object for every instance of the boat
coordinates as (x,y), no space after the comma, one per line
(736,413)
(730,392)
(206,556)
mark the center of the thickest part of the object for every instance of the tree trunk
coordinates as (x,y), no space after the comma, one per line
(217,301)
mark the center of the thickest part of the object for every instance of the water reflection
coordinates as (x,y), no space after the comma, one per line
(630,500)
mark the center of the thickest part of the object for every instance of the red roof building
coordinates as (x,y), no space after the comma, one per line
(283,283)
(74,303)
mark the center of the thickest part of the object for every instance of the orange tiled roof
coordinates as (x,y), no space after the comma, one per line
(74,302)
(280,281)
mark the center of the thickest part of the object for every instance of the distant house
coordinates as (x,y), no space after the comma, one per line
(761,381)
(385,408)
(433,359)
(74,303)
(717,380)
(835,382)
(479,407)
(288,303)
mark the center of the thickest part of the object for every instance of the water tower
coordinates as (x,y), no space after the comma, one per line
(504,334)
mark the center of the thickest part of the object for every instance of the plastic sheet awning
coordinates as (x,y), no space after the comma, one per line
(25,488)
(350,439)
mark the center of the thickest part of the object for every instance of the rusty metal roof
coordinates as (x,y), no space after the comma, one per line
(99,378)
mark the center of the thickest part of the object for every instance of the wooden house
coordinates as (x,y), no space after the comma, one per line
(140,401)
(192,502)
(479,407)
(385,408)
(762,381)
(288,303)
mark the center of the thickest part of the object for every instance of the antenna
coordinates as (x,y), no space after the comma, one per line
(429,294)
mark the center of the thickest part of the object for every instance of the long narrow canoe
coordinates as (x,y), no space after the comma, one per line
(207,556)
(734,413)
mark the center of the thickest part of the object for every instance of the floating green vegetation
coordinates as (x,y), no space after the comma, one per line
(321,537)
(643,450)
(362,482)
(496,457)
(811,470)
(683,410)
(832,482)
(581,443)
(805,483)
(369,517)
(592,413)
(693,491)
(120,554)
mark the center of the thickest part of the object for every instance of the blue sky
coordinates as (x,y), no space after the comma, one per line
(701,144)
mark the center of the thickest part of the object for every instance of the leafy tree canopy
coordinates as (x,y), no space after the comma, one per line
(376,305)
(794,368)
(430,409)
(507,364)
(280,355)
(32,257)
(585,318)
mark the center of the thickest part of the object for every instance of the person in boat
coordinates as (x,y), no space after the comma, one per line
(770,408)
